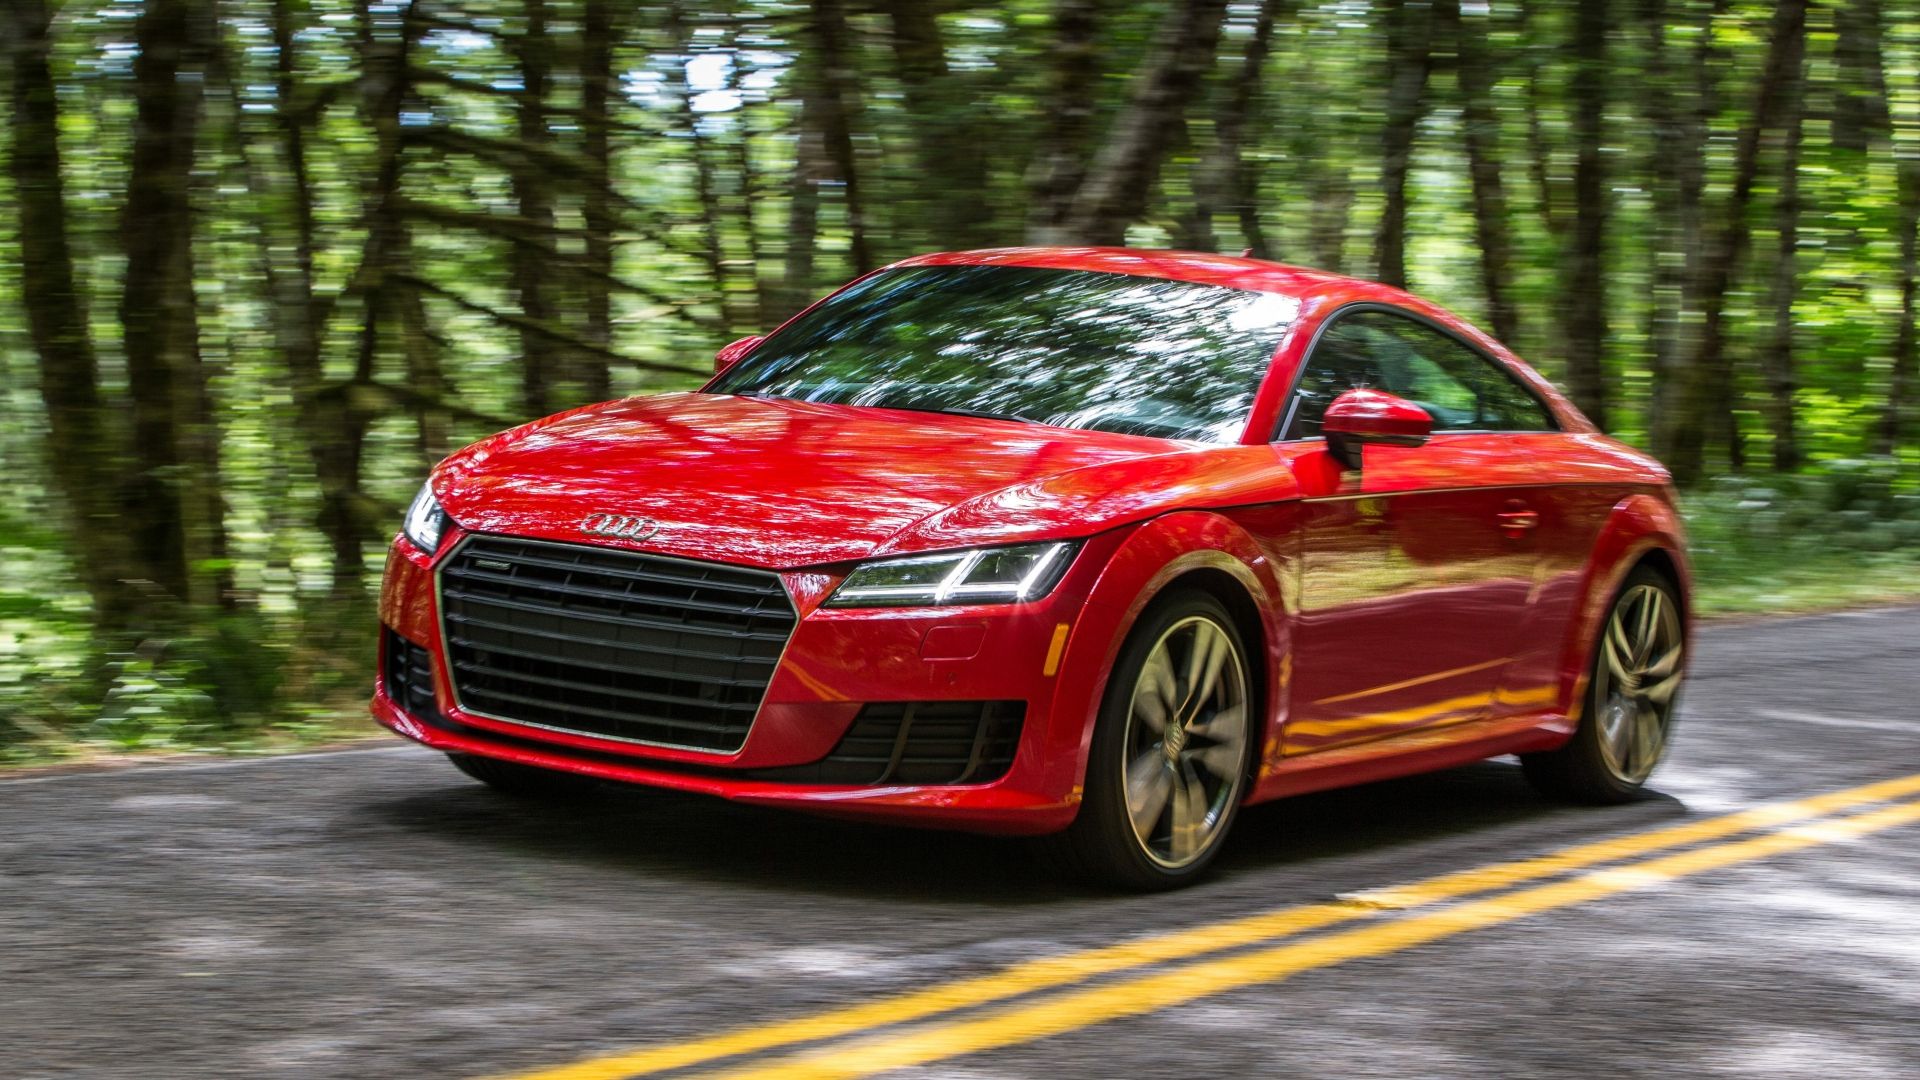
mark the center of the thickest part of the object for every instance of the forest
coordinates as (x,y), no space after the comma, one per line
(263,262)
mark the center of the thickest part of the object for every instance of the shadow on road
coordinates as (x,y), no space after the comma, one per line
(660,834)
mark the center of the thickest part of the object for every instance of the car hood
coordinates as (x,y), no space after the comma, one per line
(782,484)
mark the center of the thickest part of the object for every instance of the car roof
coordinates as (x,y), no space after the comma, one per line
(1206,268)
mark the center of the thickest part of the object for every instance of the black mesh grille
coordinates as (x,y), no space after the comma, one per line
(409,675)
(920,742)
(611,643)
(930,754)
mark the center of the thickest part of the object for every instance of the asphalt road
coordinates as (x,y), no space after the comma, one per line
(374,914)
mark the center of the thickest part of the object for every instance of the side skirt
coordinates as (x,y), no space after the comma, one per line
(1427,750)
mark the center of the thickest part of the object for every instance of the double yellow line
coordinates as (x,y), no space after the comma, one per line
(1779,828)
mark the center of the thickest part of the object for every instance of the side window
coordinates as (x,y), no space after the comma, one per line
(1463,390)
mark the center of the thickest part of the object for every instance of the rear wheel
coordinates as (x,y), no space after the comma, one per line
(523,781)
(1627,720)
(1168,764)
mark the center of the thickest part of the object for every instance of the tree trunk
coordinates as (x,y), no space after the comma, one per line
(1776,360)
(834,101)
(597,31)
(1707,373)
(1475,72)
(1666,152)
(208,556)
(1682,114)
(747,182)
(157,315)
(1322,147)
(1860,82)
(330,435)
(1904,380)
(803,209)
(1228,180)
(83,433)
(1583,281)
(1067,133)
(1332,211)
(950,194)
(1409,28)
(1192,224)
(540,387)
(380,284)
(705,188)
(1548,189)
(1113,194)
(1906,346)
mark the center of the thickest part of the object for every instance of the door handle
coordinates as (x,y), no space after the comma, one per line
(1515,521)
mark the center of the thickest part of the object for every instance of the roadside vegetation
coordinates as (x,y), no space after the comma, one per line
(263,261)
(1846,536)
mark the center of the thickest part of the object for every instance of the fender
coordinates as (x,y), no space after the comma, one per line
(1638,524)
(1156,553)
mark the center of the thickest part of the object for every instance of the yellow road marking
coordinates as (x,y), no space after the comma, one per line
(1054,971)
(1066,1012)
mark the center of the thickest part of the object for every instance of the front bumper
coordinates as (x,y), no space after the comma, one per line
(1044,654)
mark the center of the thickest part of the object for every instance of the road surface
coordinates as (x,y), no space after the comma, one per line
(372,913)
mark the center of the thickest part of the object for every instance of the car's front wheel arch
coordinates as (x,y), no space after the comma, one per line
(1173,749)
(1198,550)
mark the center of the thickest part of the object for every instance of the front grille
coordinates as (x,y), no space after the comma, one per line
(617,644)
(409,675)
(920,742)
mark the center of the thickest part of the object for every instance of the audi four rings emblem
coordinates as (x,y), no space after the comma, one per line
(619,526)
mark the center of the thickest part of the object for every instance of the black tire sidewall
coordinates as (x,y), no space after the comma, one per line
(1103,820)
(1580,769)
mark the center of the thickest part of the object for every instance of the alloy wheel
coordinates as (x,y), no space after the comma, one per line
(1186,741)
(1639,673)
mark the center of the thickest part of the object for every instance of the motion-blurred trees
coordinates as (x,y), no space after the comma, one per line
(266,260)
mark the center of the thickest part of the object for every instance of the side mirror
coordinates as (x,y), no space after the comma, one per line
(1359,417)
(731,354)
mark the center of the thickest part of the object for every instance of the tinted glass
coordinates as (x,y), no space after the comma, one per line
(1073,348)
(1463,390)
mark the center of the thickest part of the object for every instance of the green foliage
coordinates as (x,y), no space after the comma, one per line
(1847,533)
(720,209)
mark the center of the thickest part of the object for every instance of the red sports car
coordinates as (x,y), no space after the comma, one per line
(1093,543)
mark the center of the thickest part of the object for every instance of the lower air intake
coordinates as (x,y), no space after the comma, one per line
(409,675)
(921,742)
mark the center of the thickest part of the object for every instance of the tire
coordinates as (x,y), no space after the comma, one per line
(523,781)
(1627,714)
(1199,781)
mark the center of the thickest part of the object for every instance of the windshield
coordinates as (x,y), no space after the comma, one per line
(1074,348)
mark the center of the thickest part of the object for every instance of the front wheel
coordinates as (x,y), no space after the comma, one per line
(1627,717)
(1168,764)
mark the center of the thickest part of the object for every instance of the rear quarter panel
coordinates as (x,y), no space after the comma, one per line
(1638,522)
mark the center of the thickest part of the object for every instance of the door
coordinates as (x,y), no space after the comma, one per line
(1418,570)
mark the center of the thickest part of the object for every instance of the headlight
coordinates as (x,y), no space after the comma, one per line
(425,520)
(1003,575)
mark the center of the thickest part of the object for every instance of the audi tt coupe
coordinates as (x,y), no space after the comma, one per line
(1096,544)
